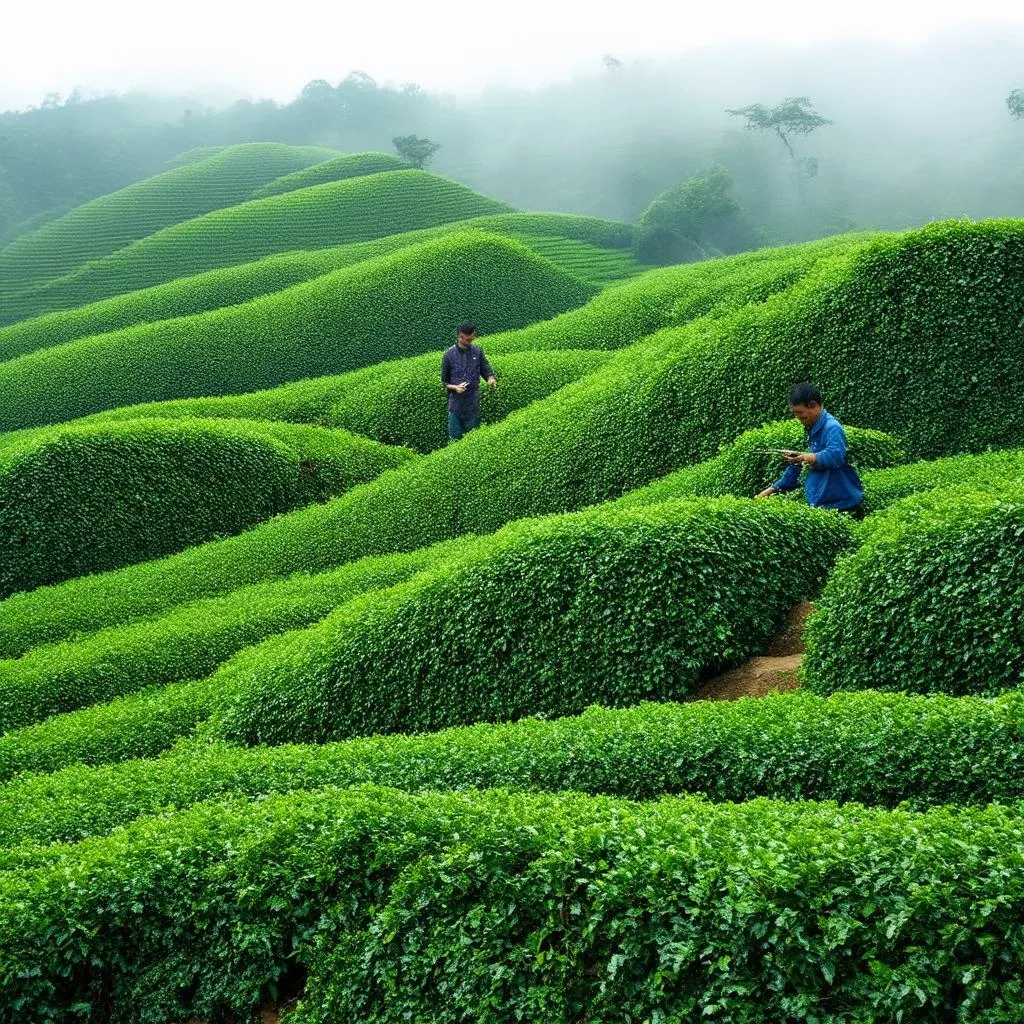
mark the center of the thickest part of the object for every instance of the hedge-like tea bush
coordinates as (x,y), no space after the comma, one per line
(338,212)
(84,499)
(114,221)
(399,402)
(382,309)
(746,466)
(351,165)
(495,906)
(873,748)
(932,602)
(545,617)
(188,642)
(584,246)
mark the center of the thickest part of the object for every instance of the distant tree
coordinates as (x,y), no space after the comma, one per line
(415,150)
(793,116)
(1015,104)
(611,62)
(693,220)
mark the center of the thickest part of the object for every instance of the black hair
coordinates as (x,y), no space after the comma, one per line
(467,327)
(804,394)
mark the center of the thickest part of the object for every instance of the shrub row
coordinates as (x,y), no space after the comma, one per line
(84,499)
(583,244)
(113,221)
(932,602)
(747,465)
(351,165)
(496,906)
(395,306)
(399,402)
(543,618)
(188,642)
(665,402)
(338,212)
(872,748)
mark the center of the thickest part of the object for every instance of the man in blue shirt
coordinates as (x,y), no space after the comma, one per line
(463,366)
(831,482)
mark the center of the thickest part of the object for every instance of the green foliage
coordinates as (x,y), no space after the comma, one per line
(1015,104)
(623,606)
(747,465)
(352,165)
(82,499)
(872,748)
(793,116)
(464,906)
(114,221)
(395,306)
(683,219)
(399,402)
(416,151)
(188,642)
(584,246)
(353,210)
(931,603)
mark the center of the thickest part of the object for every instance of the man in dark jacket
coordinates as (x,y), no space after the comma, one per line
(831,481)
(463,367)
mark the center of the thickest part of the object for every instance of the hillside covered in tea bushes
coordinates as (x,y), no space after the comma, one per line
(304,708)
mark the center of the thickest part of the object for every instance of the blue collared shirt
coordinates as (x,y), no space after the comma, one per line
(831,482)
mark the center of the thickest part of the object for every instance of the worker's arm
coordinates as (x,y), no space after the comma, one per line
(446,376)
(486,372)
(833,455)
(789,481)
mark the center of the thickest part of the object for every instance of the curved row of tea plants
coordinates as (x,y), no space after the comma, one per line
(395,306)
(399,402)
(933,600)
(358,887)
(351,165)
(90,498)
(111,222)
(623,606)
(353,210)
(871,748)
(585,244)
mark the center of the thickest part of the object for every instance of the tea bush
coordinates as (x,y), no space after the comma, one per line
(585,246)
(351,165)
(399,402)
(932,602)
(498,905)
(873,748)
(112,222)
(188,642)
(84,499)
(353,210)
(544,617)
(396,306)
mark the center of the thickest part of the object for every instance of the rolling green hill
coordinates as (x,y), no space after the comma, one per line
(352,165)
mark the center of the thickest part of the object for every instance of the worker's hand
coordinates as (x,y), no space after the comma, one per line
(492,382)
(801,458)
(766,493)
(459,389)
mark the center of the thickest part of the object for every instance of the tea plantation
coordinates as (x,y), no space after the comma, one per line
(304,709)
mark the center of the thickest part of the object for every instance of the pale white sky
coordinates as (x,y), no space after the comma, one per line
(458,46)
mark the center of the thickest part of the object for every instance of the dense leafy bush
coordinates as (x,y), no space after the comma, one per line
(565,908)
(544,617)
(190,641)
(352,210)
(399,402)
(351,165)
(84,499)
(932,602)
(396,306)
(747,466)
(868,747)
(113,221)
(584,246)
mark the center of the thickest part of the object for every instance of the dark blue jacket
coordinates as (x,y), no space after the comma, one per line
(831,482)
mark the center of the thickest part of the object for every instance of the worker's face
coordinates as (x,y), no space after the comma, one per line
(806,414)
(465,340)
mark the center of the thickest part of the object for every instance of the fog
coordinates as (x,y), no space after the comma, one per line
(920,131)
